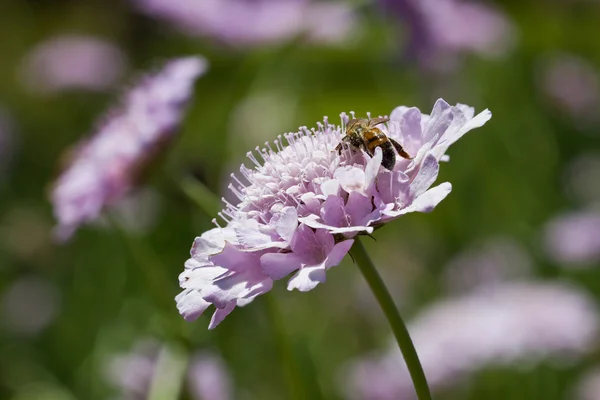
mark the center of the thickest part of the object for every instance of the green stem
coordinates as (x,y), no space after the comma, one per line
(202,196)
(284,346)
(362,259)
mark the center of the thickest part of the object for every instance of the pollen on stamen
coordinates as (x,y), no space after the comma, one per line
(369,114)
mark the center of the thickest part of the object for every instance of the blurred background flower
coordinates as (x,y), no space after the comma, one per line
(511,323)
(524,208)
(440,30)
(108,165)
(69,62)
(242,23)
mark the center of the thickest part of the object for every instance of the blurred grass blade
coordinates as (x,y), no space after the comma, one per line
(202,196)
(169,374)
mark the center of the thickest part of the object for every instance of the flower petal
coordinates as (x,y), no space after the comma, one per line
(191,304)
(338,253)
(280,265)
(287,223)
(307,278)
(220,314)
(426,176)
(332,212)
(351,178)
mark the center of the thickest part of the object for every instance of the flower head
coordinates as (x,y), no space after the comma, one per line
(107,165)
(302,203)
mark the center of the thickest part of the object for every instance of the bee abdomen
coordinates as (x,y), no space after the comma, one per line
(389,156)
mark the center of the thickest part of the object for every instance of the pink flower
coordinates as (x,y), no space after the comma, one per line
(441,29)
(300,206)
(106,166)
(510,323)
(574,239)
(245,23)
(72,62)
(572,85)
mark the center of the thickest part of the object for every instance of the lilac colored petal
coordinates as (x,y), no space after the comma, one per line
(191,304)
(311,221)
(440,119)
(333,213)
(197,274)
(249,235)
(360,209)
(307,278)
(309,245)
(426,202)
(430,199)
(476,122)
(325,241)
(243,276)
(410,127)
(211,242)
(338,253)
(351,178)
(426,176)
(330,188)
(287,223)
(220,314)
(371,169)
(279,265)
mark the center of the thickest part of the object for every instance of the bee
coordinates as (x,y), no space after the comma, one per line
(361,133)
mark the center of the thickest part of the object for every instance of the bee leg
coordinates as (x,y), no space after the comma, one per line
(400,149)
(340,146)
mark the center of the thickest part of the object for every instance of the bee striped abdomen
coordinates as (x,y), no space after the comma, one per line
(373,140)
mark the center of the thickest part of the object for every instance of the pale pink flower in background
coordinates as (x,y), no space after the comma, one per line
(72,62)
(582,178)
(107,165)
(242,23)
(209,378)
(455,337)
(573,239)
(488,263)
(572,84)
(28,305)
(439,30)
(301,204)
(133,372)
(588,387)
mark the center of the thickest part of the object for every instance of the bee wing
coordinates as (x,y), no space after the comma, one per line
(376,121)
(352,122)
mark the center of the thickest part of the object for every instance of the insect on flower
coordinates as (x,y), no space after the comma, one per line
(362,133)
